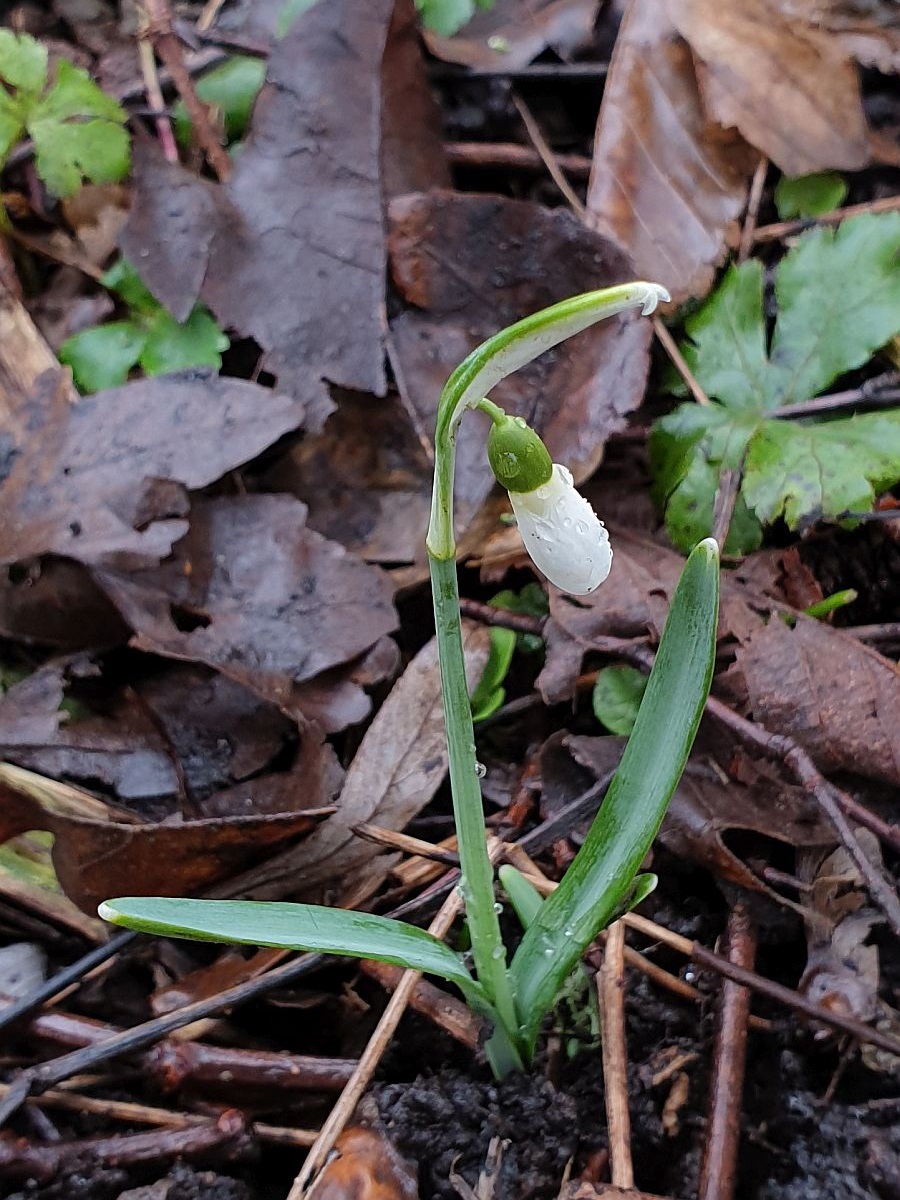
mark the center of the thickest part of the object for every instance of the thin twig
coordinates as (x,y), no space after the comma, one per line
(369,1060)
(883,389)
(668,344)
(156,101)
(886,631)
(725,499)
(611,997)
(510,156)
(753,201)
(773,233)
(548,157)
(719,1167)
(167,45)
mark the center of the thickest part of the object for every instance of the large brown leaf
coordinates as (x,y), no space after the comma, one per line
(302,271)
(106,477)
(666,182)
(100,851)
(254,594)
(469,265)
(790,89)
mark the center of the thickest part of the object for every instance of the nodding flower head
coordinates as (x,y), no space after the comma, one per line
(563,534)
(560,530)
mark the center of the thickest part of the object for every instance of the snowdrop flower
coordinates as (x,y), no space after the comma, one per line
(560,530)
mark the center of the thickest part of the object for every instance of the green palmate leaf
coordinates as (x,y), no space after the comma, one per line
(292,927)
(617,697)
(78,132)
(101,357)
(170,346)
(23,62)
(602,877)
(838,296)
(809,195)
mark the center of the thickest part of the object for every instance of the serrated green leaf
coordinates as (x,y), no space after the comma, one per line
(78,133)
(23,62)
(101,357)
(232,89)
(809,195)
(801,471)
(12,126)
(838,295)
(291,927)
(122,279)
(617,697)
(170,346)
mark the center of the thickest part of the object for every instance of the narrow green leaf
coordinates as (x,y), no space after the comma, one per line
(603,872)
(291,927)
(522,895)
(489,693)
(101,357)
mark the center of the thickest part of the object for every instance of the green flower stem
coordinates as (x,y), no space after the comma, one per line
(477,874)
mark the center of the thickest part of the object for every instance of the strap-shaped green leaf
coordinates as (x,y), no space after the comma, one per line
(293,927)
(604,869)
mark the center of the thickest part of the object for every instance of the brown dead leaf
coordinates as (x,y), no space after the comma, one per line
(833,694)
(104,480)
(666,183)
(254,594)
(869,32)
(399,766)
(764,73)
(367,1165)
(366,479)
(467,266)
(302,269)
(511,34)
(100,851)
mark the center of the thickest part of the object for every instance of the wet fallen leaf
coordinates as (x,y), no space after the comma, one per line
(254,594)
(510,34)
(366,1166)
(468,265)
(833,694)
(302,268)
(667,183)
(761,72)
(398,767)
(99,851)
(104,480)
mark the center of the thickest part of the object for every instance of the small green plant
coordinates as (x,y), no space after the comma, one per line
(569,544)
(231,89)
(77,130)
(150,337)
(809,195)
(490,693)
(616,699)
(838,300)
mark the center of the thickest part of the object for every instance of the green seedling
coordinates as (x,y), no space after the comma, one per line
(838,301)
(569,544)
(231,89)
(616,699)
(490,693)
(77,130)
(149,337)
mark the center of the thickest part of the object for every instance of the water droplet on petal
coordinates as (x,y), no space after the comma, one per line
(581,528)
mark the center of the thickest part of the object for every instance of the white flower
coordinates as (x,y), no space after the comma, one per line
(563,534)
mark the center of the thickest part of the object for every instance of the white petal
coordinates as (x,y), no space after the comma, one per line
(563,534)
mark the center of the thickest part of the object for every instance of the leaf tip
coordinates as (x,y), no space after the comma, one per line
(108,912)
(709,547)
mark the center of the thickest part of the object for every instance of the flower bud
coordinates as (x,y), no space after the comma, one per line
(563,534)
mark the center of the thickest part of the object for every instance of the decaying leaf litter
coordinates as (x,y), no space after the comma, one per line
(216,657)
